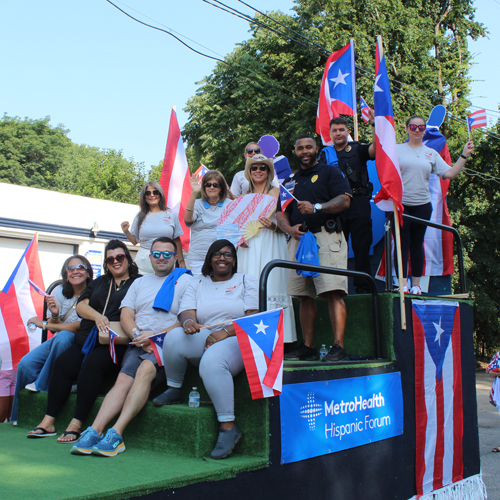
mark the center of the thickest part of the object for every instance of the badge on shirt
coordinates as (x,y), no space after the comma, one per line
(314,178)
(166,218)
(347,148)
(230,290)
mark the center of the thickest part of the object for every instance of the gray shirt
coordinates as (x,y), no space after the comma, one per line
(141,296)
(64,306)
(154,225)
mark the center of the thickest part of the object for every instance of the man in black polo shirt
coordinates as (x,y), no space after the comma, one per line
(351,158)
(323,193)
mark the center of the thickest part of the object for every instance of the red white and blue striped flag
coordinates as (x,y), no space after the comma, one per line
(157,345)
(286,197)
(438,394)
(260,337)
(365,110)
(175,176)
(201,171)
(477,119)
(112,348)
(337,95)
(18,303)
(386,156)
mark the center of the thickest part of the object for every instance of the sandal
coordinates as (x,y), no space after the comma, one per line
(69,433)
(496,450)
(45,433)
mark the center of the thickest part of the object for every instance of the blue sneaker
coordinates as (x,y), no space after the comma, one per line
(88,439)
(110,445)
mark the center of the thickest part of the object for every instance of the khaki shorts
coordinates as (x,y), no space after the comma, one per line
(332,253)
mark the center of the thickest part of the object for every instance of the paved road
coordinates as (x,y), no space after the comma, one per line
(489,436)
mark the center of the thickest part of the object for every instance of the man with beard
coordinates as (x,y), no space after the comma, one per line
(323,193)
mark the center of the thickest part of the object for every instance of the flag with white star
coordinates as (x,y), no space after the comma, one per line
(438,394)
(337,95)
(157,345)
(260,337)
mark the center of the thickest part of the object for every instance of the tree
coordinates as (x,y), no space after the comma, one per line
(31,151)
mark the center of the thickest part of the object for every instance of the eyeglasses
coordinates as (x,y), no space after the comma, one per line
(250,151)
(226,255)
(262,168)
(414,127)
(155,192)
(119,258)
(78,267)
(212,184)
(166,255)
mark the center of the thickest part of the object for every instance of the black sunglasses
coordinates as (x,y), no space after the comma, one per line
(250,151)
(212,184)
(119,258)
(414,127)
(262,168)
(155,192)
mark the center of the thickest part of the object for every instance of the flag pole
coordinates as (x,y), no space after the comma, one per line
(355,103)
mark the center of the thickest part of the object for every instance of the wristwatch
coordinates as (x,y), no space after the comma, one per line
(317,207)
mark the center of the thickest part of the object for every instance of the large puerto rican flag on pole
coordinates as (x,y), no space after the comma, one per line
(438,394)
(386,156)
(175,176)
(260,337)
(18,303)
(337,95)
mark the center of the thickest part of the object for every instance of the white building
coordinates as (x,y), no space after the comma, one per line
(66,225)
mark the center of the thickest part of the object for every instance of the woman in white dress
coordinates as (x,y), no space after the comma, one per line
(152,221)
(269,244)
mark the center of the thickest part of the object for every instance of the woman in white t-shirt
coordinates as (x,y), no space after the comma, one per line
(153,220)
(202,215)
(220,296)
(417,162)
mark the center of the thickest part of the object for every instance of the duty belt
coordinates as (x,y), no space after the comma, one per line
(365,191)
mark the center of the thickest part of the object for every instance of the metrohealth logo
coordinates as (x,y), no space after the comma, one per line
(311,410)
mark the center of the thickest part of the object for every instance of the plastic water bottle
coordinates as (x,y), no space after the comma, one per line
(32,327)
(194,398)
(322,352)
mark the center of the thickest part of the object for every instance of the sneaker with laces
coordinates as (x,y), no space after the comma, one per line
(303,353)
(87,440)
(172,396)
(416,290)
(110,445)
(226,442)
(337,353)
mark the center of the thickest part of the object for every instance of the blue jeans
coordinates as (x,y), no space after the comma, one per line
(36,366)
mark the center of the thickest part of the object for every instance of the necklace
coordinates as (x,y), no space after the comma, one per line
(121,285)
(415,150)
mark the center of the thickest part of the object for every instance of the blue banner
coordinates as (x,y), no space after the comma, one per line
(318,418)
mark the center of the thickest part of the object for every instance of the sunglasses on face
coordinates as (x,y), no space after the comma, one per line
(262,168)
(119,258)
(226,255)
(77,267)
(414,127)
(155,192)
(250,151)
(212,184)
(166,254)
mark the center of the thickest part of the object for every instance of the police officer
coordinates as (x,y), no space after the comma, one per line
(351,158)
(322,193)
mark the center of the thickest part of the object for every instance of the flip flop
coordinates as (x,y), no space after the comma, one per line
(70,433)
(496,450)
(45,433)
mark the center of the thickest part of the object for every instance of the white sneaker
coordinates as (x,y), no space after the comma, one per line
(32,388)
(416,290)
(405,289)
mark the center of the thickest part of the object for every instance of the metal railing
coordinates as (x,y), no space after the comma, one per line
(328,270)
(416,220)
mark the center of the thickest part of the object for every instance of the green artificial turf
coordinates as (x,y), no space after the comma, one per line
(42,469)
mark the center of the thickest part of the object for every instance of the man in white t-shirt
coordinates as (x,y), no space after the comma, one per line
(150,306)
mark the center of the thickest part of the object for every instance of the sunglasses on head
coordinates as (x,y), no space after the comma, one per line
(226,255)
(155,192)
(212,184)
(250,151)
(119,258)
(166,254)
(77,267)
(414,127)
(262,168)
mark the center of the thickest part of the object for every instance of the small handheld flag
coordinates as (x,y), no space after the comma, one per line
(38,289)
(201,171)
(112,349)
(365,110)
(286,197)
(157,345)
(476,120)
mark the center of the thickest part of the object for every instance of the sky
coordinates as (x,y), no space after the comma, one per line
(112,82)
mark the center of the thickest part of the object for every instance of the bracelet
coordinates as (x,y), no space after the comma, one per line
(55,317)
(189,209)
(184,324)
(127,233)
(210,337)
(464,157)
(44,325)
(226,330)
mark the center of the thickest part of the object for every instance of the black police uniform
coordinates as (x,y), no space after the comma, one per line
(357,220)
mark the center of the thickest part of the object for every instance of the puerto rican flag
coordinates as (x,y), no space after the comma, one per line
(112,348)
(38,289)
(337,95)
(18,303)
(260,337)
(386,156)
(157,345)
(365,109)
(175,176)
(285,197)
(201,171)
(477,119)
(438,394)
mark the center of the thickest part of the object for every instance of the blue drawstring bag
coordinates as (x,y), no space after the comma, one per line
(307,253)
(90,342)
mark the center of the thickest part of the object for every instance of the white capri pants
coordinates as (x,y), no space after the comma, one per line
(218,365)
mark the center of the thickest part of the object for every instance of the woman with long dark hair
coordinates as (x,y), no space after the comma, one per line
(86,360)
